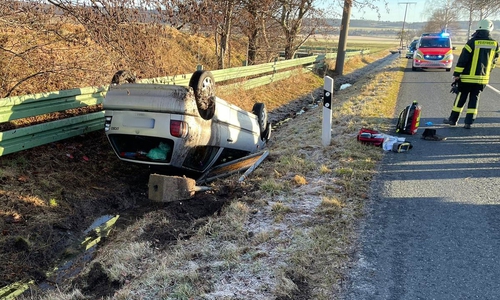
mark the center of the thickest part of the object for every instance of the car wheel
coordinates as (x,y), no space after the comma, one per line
(448,69)
(259,109)
(203,85)
(266,135)
(123,76)
(413,68)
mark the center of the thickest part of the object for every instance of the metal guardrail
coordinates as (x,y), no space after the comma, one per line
(244,72)
(274,71)
(36,135)
(38,104)
(19,107)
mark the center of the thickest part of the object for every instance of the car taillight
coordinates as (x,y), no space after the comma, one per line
(107,123)
(178,128)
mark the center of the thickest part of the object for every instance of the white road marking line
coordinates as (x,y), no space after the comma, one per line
(494,89)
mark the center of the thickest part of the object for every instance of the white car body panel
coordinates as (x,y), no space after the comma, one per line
(139,117)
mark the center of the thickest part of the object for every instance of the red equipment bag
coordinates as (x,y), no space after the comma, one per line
(409,119)
(371,137)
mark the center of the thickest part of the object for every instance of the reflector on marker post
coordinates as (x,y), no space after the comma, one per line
(327,111)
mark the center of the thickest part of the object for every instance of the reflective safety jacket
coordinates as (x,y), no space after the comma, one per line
(477,59)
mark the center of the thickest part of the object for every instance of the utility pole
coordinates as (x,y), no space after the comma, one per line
(344,28)
(404,20)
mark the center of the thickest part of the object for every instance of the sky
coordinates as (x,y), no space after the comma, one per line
(396,11)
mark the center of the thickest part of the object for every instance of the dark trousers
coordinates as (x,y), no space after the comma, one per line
(466,90)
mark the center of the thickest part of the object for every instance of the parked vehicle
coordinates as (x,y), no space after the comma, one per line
(180,129)
(434,51)
(411,48)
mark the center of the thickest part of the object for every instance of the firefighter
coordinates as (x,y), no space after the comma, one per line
(472,72)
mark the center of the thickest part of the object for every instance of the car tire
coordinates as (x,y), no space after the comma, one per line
(123,76)
(266,135)
(203,85)
(259,109)
(448,69)
(413,68)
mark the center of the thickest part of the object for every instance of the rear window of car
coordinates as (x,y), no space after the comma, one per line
(435,42)
(200,157)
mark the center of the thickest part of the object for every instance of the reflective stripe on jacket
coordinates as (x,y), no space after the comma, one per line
(477,59)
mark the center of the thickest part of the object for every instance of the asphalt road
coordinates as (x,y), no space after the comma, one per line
(433,223)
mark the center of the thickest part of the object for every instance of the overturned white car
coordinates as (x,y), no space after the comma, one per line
(177,129)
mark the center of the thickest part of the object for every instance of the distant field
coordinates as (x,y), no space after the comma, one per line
(372,39)
(356,39)
(373,43)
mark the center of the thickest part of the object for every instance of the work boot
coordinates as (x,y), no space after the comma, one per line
(434,137)
(467,126)
(430,134)
(447,121)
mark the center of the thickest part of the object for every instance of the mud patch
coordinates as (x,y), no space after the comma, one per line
(183,218)
(98,283)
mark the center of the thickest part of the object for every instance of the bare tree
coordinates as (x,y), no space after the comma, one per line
(61,44)
(364,5)
(252,16)
(223,30)
(197,14)
(487,8)
(477,10)
(108,22)
(252,22)
(443,19)
(406,36)
(218,15)
(467,8)
(30,33)
(134,35)
(290,16)
(182,13)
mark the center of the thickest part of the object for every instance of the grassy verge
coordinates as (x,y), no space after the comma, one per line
(289,232)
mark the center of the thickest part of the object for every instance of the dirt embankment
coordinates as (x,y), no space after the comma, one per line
(39,232)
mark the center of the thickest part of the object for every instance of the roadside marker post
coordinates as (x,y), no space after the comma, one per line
(327,111)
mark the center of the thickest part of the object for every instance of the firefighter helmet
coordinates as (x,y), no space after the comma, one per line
(485,25)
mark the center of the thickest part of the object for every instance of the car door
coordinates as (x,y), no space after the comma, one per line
(238,128)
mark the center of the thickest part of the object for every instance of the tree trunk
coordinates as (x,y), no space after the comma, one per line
(225,32)
(252,47)
(289,47)
(266,40)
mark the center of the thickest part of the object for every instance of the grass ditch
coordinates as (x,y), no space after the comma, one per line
(289,234)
